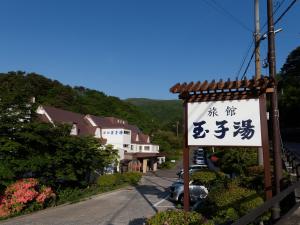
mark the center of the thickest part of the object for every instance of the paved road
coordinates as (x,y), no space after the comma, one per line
(127,206)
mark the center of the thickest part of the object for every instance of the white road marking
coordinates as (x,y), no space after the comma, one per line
(156,204)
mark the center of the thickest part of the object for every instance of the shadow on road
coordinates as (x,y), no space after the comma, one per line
(138,221)
(151,190)
(156,189)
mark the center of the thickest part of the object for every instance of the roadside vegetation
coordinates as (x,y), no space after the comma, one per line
(233,191)
(174,217)
(29,194)
(170,145)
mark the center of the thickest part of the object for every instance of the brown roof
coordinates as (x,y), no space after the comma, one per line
(112,122)
(43,118)
(144,155)
(64,116)
(84,126)
(222,90)
(143,138)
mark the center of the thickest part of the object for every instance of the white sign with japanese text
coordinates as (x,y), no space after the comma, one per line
(224,123)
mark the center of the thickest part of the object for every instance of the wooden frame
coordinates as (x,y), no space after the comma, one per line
(229,90)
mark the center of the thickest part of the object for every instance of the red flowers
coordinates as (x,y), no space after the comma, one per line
(21,194)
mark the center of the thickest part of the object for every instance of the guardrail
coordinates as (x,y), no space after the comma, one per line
(254,215)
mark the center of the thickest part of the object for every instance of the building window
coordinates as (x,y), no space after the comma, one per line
(126,132)
(125,145)
(147,148)
(131,147)
(120,132)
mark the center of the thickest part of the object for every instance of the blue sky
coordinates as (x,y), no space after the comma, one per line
(135,48)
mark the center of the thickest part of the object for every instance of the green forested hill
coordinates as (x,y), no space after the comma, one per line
(167,112)
(77,99)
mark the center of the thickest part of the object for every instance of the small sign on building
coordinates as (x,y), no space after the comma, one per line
(224,123)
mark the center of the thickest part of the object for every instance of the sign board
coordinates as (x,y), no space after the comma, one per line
(224,123)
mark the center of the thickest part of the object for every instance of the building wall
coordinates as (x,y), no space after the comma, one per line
(119,138)
(144,148)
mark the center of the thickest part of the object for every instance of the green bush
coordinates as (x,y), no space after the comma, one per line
(74,194)
(204,177)
(109,181)
(237,160)
(232,196)
(166,165)
(175,217)
(225,216)
(132,178)
(228,204)
(253,203)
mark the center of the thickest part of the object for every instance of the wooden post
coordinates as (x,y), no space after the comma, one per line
(186,162)
(265,146)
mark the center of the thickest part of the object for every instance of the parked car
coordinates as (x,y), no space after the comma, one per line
(199,160)
(199,154)
(199,150)
(197,192)
(192,169)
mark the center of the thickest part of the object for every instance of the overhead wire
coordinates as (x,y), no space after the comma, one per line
(245,57)
(230,15)
(219,8)
(274,13)
(276,21)
(285,12)
(244,60)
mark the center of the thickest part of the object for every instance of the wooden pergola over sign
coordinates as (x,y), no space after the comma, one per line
(197,92)
(223,90)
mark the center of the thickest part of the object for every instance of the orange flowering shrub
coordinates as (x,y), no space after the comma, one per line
(21,194)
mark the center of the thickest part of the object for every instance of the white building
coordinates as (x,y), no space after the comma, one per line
(131,143)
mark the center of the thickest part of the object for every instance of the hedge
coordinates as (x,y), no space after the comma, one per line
(176,217)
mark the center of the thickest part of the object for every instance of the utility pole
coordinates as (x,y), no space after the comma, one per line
(274,107)
(186,162)
(177,124)
(257,62)
(257,40)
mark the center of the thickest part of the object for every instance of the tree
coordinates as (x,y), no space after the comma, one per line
(32,149)
(237,160)
(289,97)
(49,153)
(291,68)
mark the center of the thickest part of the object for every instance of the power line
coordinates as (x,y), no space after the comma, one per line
(285,11)
(248,65)
(277,20)
(244,59)
(230,15)
(275,11)
(220,9)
